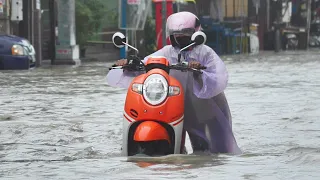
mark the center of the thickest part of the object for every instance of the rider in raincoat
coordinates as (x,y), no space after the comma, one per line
(207,115)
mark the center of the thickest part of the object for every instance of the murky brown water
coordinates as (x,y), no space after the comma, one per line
(65,123)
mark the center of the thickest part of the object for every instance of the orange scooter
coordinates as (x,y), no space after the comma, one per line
(154,106)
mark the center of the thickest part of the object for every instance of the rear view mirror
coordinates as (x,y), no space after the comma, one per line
(199,38)
(118,39)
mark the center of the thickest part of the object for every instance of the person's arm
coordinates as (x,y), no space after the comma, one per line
(214,78)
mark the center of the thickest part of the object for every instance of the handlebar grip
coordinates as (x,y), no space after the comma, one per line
(114,67)
(202,67)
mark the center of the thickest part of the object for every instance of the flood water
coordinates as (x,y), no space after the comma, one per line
(65,122)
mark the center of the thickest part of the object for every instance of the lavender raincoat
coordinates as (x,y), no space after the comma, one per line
(207,114)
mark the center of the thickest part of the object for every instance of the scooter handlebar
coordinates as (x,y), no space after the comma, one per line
(134,64)
(141,67)
(129,67)
(184,67)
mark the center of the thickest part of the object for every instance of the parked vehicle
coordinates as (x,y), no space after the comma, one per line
(291,41)
(314,40)
(16,53)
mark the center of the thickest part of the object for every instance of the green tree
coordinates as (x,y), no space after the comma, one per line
(150,35)
(98,11)
(89,15)
(83,22)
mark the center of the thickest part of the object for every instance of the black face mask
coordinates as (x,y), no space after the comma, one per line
(183,41)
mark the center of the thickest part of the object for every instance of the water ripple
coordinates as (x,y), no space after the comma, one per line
(64,122)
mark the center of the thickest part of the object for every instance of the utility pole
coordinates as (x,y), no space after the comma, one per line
(32,7)
(37,38)
(277,24)
(268,15)
(4,17)
(123,24)
(308,23)
(53,20)
(164,17)
(67,52)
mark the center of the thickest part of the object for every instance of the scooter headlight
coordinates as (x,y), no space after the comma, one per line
(155,89)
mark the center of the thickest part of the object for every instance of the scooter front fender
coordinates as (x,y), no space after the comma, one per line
(151,131)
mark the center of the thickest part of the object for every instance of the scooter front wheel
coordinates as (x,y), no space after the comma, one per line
(153,148)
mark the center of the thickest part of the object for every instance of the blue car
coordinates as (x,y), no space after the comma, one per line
(16,53)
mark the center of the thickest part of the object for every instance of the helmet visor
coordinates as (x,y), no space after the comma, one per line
(182,32)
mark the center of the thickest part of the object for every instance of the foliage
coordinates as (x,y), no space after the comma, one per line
(89,15)
(83,19)
(111,18)
(98,10)
(150,35)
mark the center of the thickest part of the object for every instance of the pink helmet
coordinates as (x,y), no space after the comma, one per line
(180,27)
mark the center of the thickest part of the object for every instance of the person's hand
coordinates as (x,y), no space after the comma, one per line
(194,64)
(121,62)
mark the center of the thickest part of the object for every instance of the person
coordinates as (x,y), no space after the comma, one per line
(207,115)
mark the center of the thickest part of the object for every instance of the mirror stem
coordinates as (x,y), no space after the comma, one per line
(131,47)
(179,57)
(187,47)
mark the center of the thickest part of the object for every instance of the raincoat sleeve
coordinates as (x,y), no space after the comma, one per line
(214,78)
(122,78)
